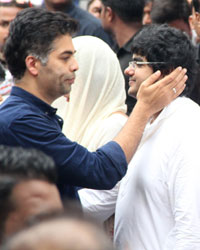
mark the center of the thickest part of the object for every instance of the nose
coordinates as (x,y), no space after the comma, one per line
(129,71)
(74,65)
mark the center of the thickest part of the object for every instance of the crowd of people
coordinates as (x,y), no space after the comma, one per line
(99,118)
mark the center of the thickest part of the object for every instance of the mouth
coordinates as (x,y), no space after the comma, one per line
(71,81)
(131,82)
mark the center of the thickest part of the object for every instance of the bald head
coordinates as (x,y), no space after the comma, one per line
(61,234)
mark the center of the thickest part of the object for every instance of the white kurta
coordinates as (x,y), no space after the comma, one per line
(158,206)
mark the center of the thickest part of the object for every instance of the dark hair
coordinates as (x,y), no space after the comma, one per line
(196,5)
(27,163)
(165,11)
(127,10)
(89,3)
(33,32)
(161,43)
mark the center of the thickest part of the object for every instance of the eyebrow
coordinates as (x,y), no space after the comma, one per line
(68,52)
(138,59)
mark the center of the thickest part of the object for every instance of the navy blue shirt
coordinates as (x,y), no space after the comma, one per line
(27,121)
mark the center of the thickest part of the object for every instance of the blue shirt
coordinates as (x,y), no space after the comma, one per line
(29,122)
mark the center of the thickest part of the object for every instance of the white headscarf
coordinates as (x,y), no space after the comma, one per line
(97,93)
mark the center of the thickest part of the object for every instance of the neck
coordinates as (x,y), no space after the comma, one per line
(123,32)
(30,85)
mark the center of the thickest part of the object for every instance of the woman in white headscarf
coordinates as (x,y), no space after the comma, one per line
(96,111)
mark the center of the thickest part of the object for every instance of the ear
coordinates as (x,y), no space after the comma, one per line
(191,23)
(110,14)
(32,65)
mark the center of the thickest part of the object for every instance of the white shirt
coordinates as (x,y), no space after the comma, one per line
(158,206)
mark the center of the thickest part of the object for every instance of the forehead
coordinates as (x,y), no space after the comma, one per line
(36,196)
(63,44)
(8,13)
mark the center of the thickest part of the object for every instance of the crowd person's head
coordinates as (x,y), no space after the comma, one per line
(194,19)
(27,187)
(40,44)
(61,233)
(94,7)
(147,12)
(165,49)
(8,11)
(173,12)
(127,11)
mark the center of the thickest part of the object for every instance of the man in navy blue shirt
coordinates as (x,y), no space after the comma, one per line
(40,55)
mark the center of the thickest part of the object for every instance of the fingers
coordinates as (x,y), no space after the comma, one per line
(152,79)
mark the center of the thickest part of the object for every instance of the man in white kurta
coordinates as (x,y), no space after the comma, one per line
(158,204)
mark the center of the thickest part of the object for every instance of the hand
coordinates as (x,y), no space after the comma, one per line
(1,98)
(154,96)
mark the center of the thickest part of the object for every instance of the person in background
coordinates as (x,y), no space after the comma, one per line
(147,12)
(27,188)
(8,11)
(94,7)
(61,232)
(123,19)
(173,12)
(88,24)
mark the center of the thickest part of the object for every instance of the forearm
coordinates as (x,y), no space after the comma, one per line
(131,134)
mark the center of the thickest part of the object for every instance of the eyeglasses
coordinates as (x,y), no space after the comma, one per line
(133,64)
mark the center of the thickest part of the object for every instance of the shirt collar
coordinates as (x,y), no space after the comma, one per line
(33,100)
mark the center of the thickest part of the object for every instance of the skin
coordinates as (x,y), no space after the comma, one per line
(194,21)
(137,75)
(181,25)
(50,81)
(31,198)
(59,234)
(7,14)
(147,13)
(95,8)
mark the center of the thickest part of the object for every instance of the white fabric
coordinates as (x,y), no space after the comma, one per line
(100,204)
(158,206)
(97,93)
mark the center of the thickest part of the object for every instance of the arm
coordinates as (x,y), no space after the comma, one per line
(151,99)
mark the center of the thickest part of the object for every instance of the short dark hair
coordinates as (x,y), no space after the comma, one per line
(18,164)
(196,5)
(27,163)
(161,43)
(165,11)
(33,32)
(127,10)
